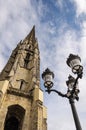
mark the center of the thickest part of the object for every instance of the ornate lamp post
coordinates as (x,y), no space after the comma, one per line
(74,62)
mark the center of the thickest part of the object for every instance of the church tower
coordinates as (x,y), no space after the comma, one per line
(21,98)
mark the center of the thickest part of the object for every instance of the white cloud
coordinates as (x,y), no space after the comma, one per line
(81,6)
(16,20)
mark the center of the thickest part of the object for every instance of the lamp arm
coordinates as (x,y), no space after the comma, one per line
(58,92)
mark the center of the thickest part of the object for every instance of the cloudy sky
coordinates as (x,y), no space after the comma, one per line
(60,30)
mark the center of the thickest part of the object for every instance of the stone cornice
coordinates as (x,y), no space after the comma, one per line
(18,92)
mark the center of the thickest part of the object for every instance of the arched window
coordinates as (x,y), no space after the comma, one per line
(14,118)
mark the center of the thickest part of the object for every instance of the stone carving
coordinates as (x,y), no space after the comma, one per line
(23,84)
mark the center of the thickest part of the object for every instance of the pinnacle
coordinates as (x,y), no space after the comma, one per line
(31,34)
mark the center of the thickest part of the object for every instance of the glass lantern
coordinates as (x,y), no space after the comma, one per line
(74,61)
(70,84)
(48,78)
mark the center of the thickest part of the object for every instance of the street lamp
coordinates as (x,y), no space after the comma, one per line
(74,62)
(73,90)
(48,78)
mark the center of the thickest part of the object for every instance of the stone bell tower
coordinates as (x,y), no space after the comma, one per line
(21,98)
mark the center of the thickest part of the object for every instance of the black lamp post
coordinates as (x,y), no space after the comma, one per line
(73,61)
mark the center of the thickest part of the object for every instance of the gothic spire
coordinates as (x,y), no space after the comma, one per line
(21,55)
(31,34)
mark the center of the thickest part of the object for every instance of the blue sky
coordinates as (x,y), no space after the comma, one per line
(60,30)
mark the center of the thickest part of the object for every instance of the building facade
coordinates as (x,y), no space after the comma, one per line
(21,98)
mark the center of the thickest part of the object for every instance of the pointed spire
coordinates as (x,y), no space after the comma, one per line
(22,46)
(31,34)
